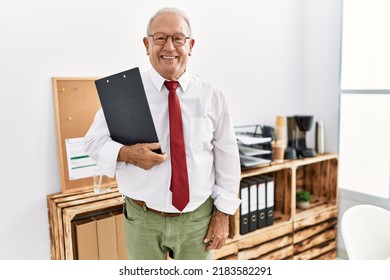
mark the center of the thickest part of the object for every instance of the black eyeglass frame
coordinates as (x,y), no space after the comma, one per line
(172,36)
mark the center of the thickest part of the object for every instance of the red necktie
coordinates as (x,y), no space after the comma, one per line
(179,180)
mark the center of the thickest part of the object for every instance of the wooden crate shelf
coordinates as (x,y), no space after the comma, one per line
(318,252)
(229,249)
(282,243)
(315,234)
(309,218)
(68,207)
(285,253)
(296,233)
(263,235)
(315,240)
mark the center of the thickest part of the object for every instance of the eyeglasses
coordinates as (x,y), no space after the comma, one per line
(178,39)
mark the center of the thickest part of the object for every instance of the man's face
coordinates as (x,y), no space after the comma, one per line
(170,61)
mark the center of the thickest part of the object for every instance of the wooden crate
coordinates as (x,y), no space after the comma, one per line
(271,242)
(230,248)
(282,196)
(284,253)
(312,231)
(230,258)
(263,235)
(320,179)
(65,208)
(331,255)
(315,236)
(272,249)
(324,251)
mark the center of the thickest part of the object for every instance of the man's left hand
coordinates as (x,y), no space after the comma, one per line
(218,231)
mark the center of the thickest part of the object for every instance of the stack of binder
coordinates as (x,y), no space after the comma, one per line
(257,203)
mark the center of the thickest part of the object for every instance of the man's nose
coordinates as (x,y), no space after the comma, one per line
(169,43)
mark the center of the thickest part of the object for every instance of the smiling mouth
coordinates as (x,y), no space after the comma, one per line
(168,57)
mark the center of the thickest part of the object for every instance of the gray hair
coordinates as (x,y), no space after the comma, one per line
(170,10)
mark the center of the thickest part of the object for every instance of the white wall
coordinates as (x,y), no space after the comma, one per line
(263,54)
(321,76)
(321,66)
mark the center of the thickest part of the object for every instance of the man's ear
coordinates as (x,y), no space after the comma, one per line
(146,43)
(192,43)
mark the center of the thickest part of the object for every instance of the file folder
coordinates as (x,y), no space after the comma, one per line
(261,201)
(252,184)
(269,189)
(126,108)
(244,207)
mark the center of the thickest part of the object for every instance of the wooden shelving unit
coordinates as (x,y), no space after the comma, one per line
(295,233)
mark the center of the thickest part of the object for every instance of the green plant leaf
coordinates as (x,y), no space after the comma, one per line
(303,195)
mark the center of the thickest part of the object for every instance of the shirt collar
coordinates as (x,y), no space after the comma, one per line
(158,80)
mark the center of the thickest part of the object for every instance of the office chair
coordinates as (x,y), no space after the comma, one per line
(366,232)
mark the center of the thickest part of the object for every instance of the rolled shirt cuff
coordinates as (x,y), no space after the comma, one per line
(108,158)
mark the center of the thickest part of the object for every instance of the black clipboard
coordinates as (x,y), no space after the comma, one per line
(126,108)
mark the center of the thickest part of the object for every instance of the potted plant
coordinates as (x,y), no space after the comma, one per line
(303,199)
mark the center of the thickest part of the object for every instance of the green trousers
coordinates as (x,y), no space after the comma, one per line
(150,236)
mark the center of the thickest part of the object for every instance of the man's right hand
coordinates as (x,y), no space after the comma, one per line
(142,155)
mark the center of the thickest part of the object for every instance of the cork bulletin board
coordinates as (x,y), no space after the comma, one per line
(76,102)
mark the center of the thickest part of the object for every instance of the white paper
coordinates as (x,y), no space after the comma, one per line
(248,151)
(80,165)
(249,161)
(249,140)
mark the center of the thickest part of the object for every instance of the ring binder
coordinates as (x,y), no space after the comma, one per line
(244,207)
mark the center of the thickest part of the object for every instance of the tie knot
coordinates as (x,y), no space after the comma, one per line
(171,85)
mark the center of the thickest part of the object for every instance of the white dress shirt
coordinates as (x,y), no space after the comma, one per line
(210,144)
